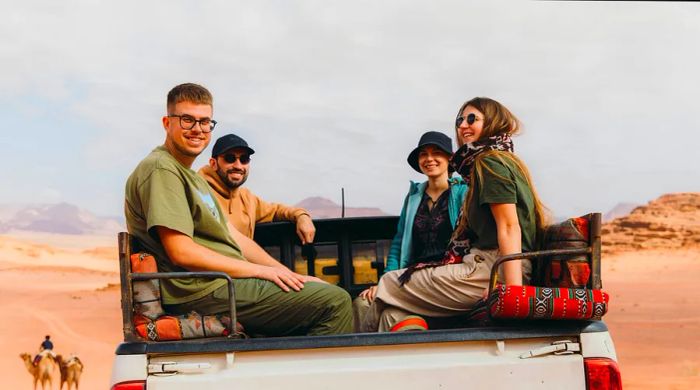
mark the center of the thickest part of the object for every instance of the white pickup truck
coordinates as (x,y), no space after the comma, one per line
(517,354)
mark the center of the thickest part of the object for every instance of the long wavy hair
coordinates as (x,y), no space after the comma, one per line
(497,120)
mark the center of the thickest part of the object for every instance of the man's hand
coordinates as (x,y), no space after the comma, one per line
(369,294)
(305,229)
(282,277)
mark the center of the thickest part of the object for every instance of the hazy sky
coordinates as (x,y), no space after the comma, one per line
(335,94)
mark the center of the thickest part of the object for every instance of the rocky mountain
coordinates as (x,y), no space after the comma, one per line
(324,208)
(620,210)
(66,218)
(60,218)
(669,222)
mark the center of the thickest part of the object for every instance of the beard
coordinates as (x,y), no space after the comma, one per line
(223,175)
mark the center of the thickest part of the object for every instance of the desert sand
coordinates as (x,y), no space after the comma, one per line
(654,317)
(64,286)
(67,287)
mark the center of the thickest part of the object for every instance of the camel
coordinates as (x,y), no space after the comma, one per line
(71,369)
(42,371)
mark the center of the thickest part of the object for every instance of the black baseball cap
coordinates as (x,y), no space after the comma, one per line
(435,138)
(229,141)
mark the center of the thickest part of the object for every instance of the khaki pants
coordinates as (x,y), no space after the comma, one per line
(264,309)
(360,307)
(435,292)
(388,317)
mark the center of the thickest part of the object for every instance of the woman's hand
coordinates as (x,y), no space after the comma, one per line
(369,294)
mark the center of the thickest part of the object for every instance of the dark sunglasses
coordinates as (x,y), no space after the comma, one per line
(231,158)
(471,118)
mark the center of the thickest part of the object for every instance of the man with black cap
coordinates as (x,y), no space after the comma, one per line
(228,169)
(172,214)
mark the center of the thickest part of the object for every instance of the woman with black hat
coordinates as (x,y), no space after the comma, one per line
(502,215)
(429,214)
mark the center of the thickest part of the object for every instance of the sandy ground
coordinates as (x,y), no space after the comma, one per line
(655,317)
(67,287)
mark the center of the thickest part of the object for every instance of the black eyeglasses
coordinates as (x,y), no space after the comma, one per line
(471,118)
(187,122)
(231,158)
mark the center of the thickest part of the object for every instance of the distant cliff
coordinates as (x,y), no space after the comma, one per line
(669,222)
(66,218)
(60,218)
(324,208)
(620,210)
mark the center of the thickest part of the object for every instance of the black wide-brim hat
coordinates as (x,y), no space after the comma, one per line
(435,138)
(230,141)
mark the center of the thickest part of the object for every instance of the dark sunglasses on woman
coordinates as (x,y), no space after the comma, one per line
(471,118)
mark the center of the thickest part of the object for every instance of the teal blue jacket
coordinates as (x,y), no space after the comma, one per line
(400,252)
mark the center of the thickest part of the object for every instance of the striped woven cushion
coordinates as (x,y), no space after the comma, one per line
(547,303)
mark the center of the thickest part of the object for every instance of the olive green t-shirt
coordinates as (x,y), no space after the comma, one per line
(163,192)
(506,184)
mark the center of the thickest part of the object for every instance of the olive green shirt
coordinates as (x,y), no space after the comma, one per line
(163,192)
(506,184)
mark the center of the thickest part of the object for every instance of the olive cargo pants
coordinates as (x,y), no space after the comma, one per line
(264,309)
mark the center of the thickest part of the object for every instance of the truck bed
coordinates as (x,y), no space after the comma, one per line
(532,329)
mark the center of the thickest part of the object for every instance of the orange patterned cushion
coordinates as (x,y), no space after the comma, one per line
(188,326)
(150,320)
(146,292)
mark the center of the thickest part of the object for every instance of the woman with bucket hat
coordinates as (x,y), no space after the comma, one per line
(429,214)
(502,215)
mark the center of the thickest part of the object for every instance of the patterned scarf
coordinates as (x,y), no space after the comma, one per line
(462,162)
(463,159)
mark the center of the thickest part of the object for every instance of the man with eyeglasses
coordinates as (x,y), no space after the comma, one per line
(170,210)
(228,169)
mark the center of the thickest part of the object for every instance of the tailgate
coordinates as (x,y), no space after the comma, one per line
(440,365)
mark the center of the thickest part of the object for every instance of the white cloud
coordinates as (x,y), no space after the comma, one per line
(336,94)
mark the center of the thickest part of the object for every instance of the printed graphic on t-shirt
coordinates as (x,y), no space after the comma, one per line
(210,202)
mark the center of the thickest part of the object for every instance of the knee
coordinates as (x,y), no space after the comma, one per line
(360,307)
(333,296)
(340,296)
(360,304)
